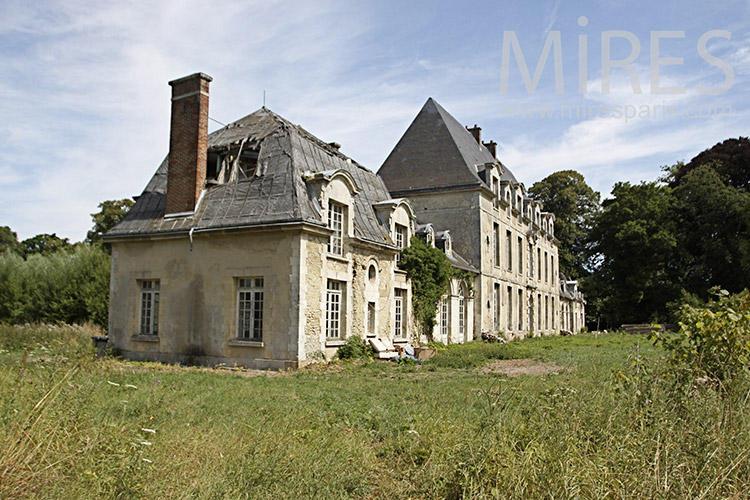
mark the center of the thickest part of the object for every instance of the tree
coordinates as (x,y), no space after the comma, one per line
(714,229)
(110,213)
(730,159)
(44,244)
(430,272)
(575,206)
(638,259)
(8,240)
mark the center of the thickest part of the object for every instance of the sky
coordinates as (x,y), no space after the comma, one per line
(626,88)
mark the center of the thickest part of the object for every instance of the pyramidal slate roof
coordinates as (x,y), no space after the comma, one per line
(276,193)
(436,152)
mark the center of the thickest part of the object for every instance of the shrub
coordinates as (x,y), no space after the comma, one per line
(713,340)
(355,348)
(64,287)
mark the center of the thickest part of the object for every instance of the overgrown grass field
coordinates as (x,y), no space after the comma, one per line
(606,424)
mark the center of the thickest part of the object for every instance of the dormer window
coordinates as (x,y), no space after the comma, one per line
(336,224)
(213,166)
(247,164)
(237,164)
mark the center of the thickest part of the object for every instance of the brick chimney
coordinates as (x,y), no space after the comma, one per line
(492,148)
(188,142)
(476,132)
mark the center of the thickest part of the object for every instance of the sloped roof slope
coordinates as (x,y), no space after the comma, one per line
(276,193)
(436,152)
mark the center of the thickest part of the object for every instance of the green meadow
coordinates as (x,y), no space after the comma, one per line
(589,416)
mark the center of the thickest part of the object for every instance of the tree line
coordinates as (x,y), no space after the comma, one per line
(46,278)
(653,246)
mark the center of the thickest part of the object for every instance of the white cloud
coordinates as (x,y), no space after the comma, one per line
(85,99)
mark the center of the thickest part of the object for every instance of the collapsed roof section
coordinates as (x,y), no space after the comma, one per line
(255,176)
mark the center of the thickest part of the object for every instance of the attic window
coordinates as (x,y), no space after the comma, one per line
(213,165)
(248,163)
(224,164)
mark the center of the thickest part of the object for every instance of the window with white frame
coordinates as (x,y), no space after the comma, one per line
(399,318)
(334,303)
(444,318)
(149,307)
(461,317)
(371,318)
(250,309)
(400,239)
(336,223)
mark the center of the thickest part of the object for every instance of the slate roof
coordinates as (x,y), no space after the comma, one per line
(436,152)
(277,193)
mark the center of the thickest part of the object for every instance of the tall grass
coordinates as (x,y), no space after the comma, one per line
(610,427)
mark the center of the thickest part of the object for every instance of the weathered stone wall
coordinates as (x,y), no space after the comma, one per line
(198,297)
(457,211)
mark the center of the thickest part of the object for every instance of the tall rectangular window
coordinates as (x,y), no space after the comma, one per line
(510,309)
(496,234)
(149,307)
(444,318)
(498,298)
(520,255)
(546,312)
(250,309)
(546,268)
(399,314)
(509,249)
(520,310)
(371,318)
(539,314)
(552,268)
(531,261)
(400,239)
(336,223)
(461,317)
(554,313)
(333,309)
(539,262)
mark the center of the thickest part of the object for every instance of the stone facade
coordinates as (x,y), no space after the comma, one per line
(456,184)
(260,245)
(287,249)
